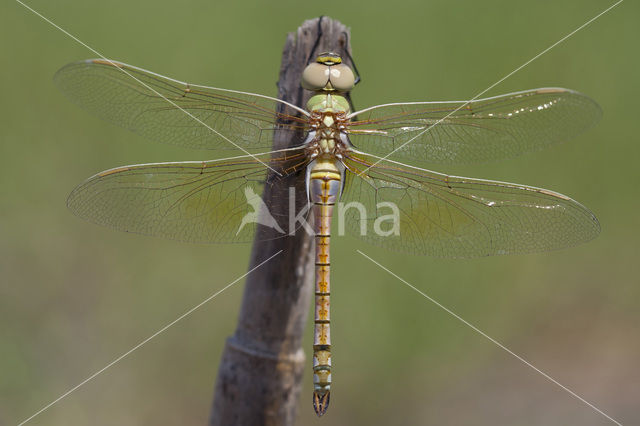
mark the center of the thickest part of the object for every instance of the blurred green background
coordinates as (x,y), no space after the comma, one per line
(74,296)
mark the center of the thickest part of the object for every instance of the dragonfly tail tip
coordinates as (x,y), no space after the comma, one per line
(321,402)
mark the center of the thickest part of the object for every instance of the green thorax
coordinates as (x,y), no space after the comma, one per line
(328,101)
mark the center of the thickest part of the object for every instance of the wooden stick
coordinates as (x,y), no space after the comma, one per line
(260,375)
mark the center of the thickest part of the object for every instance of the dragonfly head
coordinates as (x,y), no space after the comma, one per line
(328,73)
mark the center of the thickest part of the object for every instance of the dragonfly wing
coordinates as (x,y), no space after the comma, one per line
(199,201)
(448,216)
(175,112)
(473,131)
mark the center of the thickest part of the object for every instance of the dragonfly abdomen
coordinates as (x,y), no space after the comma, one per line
(325,182)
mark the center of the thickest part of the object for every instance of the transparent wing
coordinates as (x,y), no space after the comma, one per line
(199,201)
(448,216)
(171,111)
(477,131)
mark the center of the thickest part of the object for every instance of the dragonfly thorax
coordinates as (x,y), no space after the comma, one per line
(328,133)
(328,122)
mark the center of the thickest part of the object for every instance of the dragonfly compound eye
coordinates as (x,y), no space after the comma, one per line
(342,78)
(315,76)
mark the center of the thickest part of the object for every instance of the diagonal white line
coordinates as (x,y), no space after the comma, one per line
(91,377)
(476,329)
(494,84)
(146,85)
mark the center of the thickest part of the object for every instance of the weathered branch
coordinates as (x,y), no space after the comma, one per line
(260,375)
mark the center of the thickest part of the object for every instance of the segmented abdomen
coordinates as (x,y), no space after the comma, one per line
(324,190)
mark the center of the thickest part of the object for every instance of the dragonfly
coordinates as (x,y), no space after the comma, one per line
(368,156)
